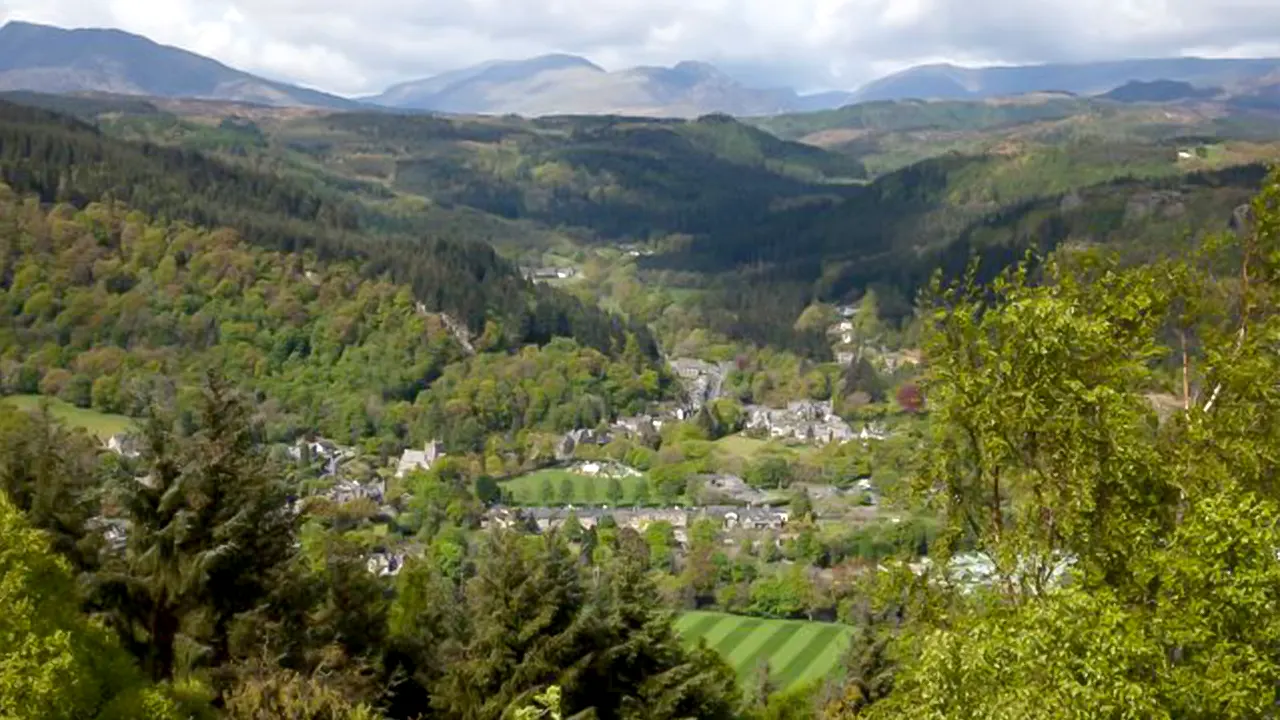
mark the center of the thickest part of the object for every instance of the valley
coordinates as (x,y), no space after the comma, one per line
(636,393)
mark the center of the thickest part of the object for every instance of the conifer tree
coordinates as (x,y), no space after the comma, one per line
(208,529)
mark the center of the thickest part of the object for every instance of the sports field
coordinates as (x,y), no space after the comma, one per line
(797,651)
(587,490)
(96,423)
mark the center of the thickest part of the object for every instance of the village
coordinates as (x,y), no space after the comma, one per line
(743,512)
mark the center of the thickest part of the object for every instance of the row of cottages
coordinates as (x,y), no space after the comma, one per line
(731,517)
(411,460)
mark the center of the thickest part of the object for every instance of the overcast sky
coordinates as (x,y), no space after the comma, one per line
(357,47)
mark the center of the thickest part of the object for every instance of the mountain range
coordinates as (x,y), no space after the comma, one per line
(571,85)
(55,60)
(951,82)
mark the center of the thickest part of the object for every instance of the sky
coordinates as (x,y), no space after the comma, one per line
(357,47)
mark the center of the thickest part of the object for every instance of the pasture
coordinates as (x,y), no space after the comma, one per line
(798,652)
(96,423)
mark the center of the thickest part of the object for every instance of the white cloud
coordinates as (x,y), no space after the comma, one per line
(361,47)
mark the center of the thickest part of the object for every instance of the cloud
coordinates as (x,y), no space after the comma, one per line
(360,47)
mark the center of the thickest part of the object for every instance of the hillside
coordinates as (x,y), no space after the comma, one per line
(570,85)
(53,60)
(598,177)
(63,159)
(888,135)
(950,82)
(742,230)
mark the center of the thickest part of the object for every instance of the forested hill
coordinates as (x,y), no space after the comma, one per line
(63,159)
(105,308)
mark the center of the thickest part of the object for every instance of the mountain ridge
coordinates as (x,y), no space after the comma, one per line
(572,85)
(945,81)
(51,59)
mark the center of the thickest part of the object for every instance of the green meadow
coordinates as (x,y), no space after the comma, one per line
(103,425)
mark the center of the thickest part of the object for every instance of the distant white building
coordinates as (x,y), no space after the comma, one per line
(411,460)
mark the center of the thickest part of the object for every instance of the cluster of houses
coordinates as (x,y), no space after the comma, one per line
(635,427)
(807,421)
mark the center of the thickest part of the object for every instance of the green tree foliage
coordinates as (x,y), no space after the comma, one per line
(1051,453)
(558,388)
(207,531)
(267,692)
(531,618)
(55,662)
(47,471)
(132,305)
(770,472)
(65,160)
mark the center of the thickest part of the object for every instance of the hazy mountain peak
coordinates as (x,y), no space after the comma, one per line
(568,84)
(52,59)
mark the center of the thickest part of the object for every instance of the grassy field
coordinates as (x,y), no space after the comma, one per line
(100,424)
(747,448)
(798,652)
(527,489)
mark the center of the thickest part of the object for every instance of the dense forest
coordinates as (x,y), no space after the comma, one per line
(62,159)
(749,229)
(105,308)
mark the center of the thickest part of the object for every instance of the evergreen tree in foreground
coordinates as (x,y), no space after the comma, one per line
(208,530)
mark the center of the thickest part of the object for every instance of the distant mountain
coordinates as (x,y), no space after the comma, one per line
(1159,91)
(949,82)
(571,85)
(53,60)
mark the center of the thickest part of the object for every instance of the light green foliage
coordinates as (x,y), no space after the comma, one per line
(556,388)
(545,705)
(54,662)
(336,352)
(660,537)
(1048,449)
(440,497)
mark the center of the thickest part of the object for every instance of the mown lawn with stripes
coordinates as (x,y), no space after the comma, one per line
(797,651)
